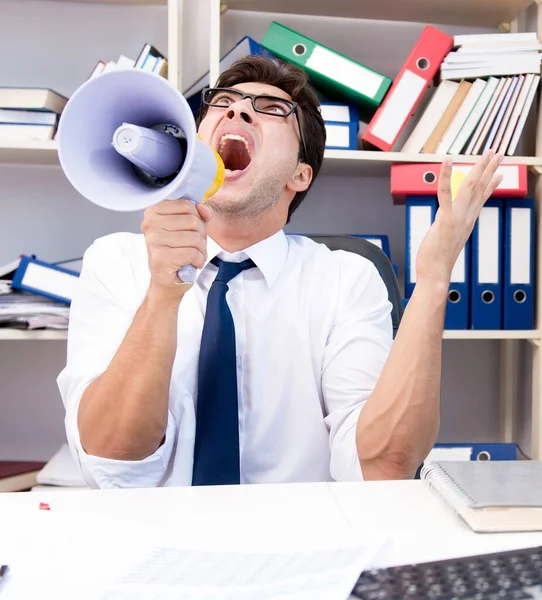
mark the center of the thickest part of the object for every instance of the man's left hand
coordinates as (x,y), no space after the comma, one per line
(456,217)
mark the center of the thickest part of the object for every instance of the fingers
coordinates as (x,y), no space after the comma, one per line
(489,179)
(205,211)
(445,183)
(177,239)
(179,206)
(474,176)
(172,223)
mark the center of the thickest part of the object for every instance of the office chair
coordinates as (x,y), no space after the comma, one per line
(373,253)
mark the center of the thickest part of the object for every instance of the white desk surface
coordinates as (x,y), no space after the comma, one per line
(263,517)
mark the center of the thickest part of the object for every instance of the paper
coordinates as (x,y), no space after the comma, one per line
(168,572)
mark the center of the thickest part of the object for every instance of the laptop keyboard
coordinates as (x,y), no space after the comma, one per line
(514,575)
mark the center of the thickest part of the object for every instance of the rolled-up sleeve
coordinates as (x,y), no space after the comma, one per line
(107,296)
(356,351)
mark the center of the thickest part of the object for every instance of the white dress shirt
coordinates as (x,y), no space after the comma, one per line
(313,330)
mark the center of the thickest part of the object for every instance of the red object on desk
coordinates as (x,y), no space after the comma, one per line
(44,506)
(421,179)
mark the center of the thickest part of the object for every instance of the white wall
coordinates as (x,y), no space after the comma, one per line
(56,44)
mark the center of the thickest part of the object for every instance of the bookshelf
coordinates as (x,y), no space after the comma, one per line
(533,336)
(503,15)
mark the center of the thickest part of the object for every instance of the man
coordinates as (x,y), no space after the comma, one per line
(284,371)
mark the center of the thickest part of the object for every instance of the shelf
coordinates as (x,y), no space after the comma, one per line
(135,2)
(376,163)
(16,152)
(483,13)
(336,162)
(16,334)
(38,334)
(468,334)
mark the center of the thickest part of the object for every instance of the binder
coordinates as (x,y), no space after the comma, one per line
(45,279)
(382,241)
(458,301)
(341,136)
(486,278)
(474,452)
(342,125)
(421,179)
(334,74)
(412,81)
(518,289)
(420,214)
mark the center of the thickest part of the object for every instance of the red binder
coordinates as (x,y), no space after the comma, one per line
(408,88)
(421,179)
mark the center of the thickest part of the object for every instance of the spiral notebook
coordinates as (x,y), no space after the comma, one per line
(491,496)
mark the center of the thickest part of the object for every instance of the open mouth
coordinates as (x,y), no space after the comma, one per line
(233,150)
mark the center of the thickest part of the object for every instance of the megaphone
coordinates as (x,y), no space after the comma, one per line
(127,140)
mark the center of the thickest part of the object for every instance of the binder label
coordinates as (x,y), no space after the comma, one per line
(344,71)
(421,219)
(50,281)
(488,245)
(337,135)
(398,107)
(335,113)
(520,250)
(510,175)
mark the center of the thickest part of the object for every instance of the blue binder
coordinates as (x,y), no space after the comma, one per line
(518,289)
(342,125)
(487,451)
(45,279)
(458,302)
(420,213)
(382,241)
(486,274)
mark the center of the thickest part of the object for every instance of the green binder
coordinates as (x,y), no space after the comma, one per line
(333,73)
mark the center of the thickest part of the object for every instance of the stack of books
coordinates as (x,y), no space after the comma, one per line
(149,59)
(29,113)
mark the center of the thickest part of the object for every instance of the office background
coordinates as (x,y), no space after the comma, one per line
(56,44)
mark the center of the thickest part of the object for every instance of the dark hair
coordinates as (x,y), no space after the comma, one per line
(295,82)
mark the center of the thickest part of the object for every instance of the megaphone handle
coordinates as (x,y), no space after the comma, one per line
(187,273)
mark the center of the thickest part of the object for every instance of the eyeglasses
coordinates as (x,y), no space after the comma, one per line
(261,103)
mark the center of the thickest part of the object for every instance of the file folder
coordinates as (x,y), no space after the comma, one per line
(486,279)
(382,241)
(421,179)
(341,136)
(408,88)
(518,290)
(342,125)
(420,214)
(45,279)
(458,302)
(334,74)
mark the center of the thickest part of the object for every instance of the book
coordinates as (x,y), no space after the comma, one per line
(491,496)
(28,98)
(17,475)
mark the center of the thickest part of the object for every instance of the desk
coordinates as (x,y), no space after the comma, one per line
(263,517)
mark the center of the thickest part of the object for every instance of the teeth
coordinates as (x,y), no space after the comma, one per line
(232,136)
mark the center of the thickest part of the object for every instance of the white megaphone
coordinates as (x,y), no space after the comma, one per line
(127,140)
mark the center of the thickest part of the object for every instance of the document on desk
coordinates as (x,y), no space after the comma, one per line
(172,573)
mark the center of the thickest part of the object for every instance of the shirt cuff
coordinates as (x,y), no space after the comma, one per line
(107,473)
(344,464)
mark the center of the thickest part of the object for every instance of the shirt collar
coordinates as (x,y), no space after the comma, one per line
(269,255)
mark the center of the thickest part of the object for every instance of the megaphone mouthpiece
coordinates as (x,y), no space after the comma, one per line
(158,153)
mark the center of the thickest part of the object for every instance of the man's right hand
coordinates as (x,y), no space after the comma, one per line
(176,235)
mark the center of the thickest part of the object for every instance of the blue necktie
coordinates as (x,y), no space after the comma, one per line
(216,447)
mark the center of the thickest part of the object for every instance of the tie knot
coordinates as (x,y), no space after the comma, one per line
(228,270)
